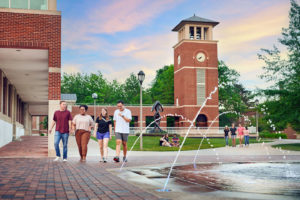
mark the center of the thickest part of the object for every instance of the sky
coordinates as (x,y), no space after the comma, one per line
(119,37)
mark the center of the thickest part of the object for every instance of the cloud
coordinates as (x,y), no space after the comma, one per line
(71,68)
(238,35)
(111,18)
(242,38)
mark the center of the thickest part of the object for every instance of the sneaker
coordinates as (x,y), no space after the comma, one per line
(116,159)
(124,159)
(64,160)
(104,160)
(56,159)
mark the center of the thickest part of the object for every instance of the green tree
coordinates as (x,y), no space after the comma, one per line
(283,96)
(162,88)
(232,94)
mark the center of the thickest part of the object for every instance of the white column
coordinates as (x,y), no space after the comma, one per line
(27,120)
(53,106)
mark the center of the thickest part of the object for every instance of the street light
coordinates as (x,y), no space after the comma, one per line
(256,104)
(141,77)
(94,96)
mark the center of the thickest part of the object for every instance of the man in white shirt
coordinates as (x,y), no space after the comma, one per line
(122,118)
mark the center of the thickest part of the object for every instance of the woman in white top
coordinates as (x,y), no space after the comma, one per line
(83,124)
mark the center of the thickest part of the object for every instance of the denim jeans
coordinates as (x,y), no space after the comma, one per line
(246,139)
(64,137)
(226,139)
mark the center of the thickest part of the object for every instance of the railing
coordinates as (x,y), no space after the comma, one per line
(115,105)
(195,131)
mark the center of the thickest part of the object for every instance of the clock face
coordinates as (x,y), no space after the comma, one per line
(178,60)
(200,57)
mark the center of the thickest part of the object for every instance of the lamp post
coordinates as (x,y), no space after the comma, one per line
(94,96)
(141,77)
(256,117)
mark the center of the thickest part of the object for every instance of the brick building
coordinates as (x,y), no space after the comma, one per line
(195,77)
(30,70)
(30,64)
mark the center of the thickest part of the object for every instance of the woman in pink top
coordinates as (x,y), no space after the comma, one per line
(240,134)
(246,135)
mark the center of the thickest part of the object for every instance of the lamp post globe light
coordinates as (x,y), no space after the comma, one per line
(94,96)
(141,78)
(256,106)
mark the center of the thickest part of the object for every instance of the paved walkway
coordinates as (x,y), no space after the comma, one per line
(41,178)
(27,146)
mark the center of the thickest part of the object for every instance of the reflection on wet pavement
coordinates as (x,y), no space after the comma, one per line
(278,179)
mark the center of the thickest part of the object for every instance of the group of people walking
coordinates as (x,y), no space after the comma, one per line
(82,125)
(233,132)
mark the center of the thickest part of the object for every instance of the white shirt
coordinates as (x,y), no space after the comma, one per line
(121,125)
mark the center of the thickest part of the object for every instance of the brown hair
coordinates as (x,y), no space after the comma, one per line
(62,102)
(106,115)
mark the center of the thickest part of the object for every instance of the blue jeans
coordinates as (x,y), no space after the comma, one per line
(226,139)
(246,139)
(64,137)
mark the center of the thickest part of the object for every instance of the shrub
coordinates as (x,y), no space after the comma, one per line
(266,134)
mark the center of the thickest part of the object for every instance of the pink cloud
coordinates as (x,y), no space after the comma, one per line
(126,15)
(116,16)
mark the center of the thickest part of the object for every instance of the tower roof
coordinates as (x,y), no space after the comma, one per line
(194,20)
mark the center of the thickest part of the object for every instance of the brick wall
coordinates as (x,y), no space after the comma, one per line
(35,31)
(185,80)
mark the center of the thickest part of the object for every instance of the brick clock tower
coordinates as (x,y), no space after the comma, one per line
(196,70)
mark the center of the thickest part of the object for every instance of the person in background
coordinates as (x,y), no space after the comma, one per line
(233,134)
(246,135)
(226,134)
(83,124)
(175,141)
(103,131)
(164,140)
(241,134)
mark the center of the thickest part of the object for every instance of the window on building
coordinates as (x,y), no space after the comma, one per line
(10,102)
(205,33)
(200,86)
(198,36)
(191,32)
(25,4)
(4,3)
(4,95)
(21,4)
(38,4)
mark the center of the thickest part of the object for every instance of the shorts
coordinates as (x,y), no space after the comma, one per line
(101,136)
(122,136)
(233,136)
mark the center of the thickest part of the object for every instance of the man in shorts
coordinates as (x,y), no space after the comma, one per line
(122,118)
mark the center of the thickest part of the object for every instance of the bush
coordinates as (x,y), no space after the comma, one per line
(266,134)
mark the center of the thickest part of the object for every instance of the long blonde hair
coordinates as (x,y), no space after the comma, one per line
(106,115)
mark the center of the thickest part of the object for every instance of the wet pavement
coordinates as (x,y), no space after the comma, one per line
(26,172)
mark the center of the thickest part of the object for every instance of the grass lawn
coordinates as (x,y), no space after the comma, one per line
(292,147)
(151,143)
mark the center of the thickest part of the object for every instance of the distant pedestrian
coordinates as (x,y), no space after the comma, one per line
(246,135)
(241,134)
(226,134)
(233,134)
